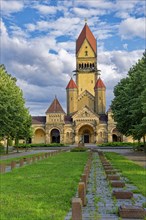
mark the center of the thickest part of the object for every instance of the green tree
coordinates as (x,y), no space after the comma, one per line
(129,103)
(14,116)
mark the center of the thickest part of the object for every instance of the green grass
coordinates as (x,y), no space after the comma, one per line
(135,173)
(42,191)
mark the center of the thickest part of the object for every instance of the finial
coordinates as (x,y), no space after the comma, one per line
(85,20)
(55,97)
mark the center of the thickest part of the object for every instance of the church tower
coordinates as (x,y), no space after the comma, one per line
(86,64)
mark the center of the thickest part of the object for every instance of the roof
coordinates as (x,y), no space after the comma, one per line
(86,34)
(55,107)
(71,84)
(38,119)
(99,84)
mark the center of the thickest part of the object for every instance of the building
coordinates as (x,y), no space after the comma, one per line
(86,119)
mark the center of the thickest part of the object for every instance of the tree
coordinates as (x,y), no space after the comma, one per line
(14,116)
(129,103)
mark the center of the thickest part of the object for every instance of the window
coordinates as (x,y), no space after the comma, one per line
(86,53)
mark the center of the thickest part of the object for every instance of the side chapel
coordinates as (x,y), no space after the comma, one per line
(86,119)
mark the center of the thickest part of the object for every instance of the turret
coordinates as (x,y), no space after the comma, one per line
(100,99)
(72,97)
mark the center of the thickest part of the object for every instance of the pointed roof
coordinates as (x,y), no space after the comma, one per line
(55,107)
(99,84)
(71,84)
(86,34)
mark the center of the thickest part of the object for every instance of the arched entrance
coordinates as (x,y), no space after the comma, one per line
(86,134)
(55,136)
(116,135)
(114,138)
(39,136)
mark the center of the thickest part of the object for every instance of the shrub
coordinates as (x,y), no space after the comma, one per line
(1,148)
(40,145)
(79,149)
(117,144)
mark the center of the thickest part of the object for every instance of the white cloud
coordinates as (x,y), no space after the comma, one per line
(11,6)
(132,27)
(44,9)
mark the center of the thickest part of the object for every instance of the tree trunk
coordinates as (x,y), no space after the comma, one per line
(144,142)
(7,148)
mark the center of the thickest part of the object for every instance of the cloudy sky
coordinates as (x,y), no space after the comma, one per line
(38,43)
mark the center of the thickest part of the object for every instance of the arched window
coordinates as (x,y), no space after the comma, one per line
(86,53)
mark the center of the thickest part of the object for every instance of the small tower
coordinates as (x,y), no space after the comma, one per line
(55,113)
(100,99)
(72,96)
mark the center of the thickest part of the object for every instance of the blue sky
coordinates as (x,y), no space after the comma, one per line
(38,43)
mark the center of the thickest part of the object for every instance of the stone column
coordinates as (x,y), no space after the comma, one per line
(82,192)
(76,209)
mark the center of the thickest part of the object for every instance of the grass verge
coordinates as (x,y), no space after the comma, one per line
(42,191)
(135,173)
(8,161)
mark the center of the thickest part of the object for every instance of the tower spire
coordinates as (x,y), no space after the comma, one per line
(85,20)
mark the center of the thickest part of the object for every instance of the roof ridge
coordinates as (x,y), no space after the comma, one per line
(55,107)
(71,84)
(99,84)
(86,34)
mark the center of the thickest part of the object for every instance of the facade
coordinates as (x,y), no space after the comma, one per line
(86,119)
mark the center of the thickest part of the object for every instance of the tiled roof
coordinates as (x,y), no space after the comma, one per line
(71,84)
(99,84)
(86,34)
(38,119)
(55,107)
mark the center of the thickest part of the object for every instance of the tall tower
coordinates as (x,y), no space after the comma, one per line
(86,64)
(100,99)
(72,96)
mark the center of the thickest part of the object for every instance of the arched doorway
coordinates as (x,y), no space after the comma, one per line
(39,136)
(116,135)
(55,136)
(86,134)
(114,138)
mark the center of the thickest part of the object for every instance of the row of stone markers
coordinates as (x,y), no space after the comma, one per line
(116,182)
(107,195)
(26,161)
(80,199)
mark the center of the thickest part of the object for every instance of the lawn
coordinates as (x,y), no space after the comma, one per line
(8,161)
(135,173)
(43,190)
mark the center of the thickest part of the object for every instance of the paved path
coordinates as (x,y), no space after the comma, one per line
(100,203)
(22,153)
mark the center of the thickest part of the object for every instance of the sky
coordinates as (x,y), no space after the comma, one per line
(38,41)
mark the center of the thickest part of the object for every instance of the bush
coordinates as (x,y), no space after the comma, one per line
(117,144)
(79,149)
(2,150)
(39,145)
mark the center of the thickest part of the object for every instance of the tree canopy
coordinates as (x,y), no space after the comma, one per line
(129,103)
(15,119)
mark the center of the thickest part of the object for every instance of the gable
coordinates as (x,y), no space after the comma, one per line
(85,114)
(86,47)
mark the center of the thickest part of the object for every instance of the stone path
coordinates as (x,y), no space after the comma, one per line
(100,203)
